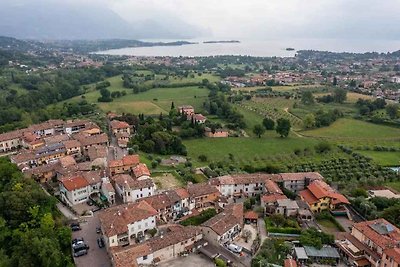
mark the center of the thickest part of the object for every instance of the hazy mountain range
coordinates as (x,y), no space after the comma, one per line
(47,20)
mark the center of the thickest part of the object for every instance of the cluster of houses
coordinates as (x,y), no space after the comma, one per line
(200,119)
(139,226)
(191,115)
(128,229)
(281,77)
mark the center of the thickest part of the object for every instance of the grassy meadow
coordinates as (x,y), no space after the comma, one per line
(151,102)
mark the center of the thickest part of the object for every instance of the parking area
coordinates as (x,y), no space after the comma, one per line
(241,240)
(191,260)
(96,257)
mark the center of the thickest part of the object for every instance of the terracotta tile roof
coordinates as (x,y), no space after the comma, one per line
(308,196)
(300,176)
(182,193)
(141,170)
(393,253)
(251,215)
(96,151)
(290,263)
(272,187)
(272,198)
(115,163)
(22,157)
(56,139)
(67,161)
(131,160)
(225,220)
(201,189)
(163,200)
(127,256)
(74,183)
(175,236)
(115,220)
(92,177)
(123,180)
(71,144)
(115,124)
(388,240)
(93,140)
(30,137)
(319,189)
(243,178)
(78,123)
(11,135)
(159,201)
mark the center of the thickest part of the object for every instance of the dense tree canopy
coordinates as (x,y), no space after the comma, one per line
(30,229)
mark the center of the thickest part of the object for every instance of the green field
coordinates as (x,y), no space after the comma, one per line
(355,129)
(394,185)
(151,102)
(245,149)
(383,158)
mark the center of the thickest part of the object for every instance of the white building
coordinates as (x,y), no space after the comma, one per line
(74,190)
(225,226)
(130,189)
(242,184)
(125,224)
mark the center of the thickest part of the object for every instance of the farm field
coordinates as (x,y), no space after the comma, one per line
(259,108)
(354,129)
(383,158)
(151,102)
(245,149)
(351,96)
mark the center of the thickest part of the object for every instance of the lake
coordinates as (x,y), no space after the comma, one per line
(258,48)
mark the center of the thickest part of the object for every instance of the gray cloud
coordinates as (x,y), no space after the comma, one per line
(260,19)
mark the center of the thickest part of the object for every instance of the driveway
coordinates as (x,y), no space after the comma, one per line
(191,260)
(96,257)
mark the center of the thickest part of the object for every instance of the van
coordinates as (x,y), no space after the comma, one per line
(235,248)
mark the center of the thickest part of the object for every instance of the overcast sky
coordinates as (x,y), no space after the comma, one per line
(268,19)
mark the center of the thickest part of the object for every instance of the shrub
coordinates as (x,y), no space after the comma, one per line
(322,147)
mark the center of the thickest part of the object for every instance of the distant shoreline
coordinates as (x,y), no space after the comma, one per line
(221,42)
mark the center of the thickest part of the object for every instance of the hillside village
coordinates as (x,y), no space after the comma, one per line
(95,178)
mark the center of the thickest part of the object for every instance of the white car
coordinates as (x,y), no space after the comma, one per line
(235,248)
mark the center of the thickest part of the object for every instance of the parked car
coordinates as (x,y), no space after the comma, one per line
(75,226)
(235,248)
(98,230)
(76,240)
(100,242)
(80,253)
(79,246)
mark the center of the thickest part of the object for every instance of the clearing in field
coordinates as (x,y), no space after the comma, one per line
(166,181)
(383,158)
(355,129)
(120,107)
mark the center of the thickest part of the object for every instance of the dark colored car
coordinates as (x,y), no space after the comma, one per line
(100,242)
(98,230)
(75,228)
(80,253)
